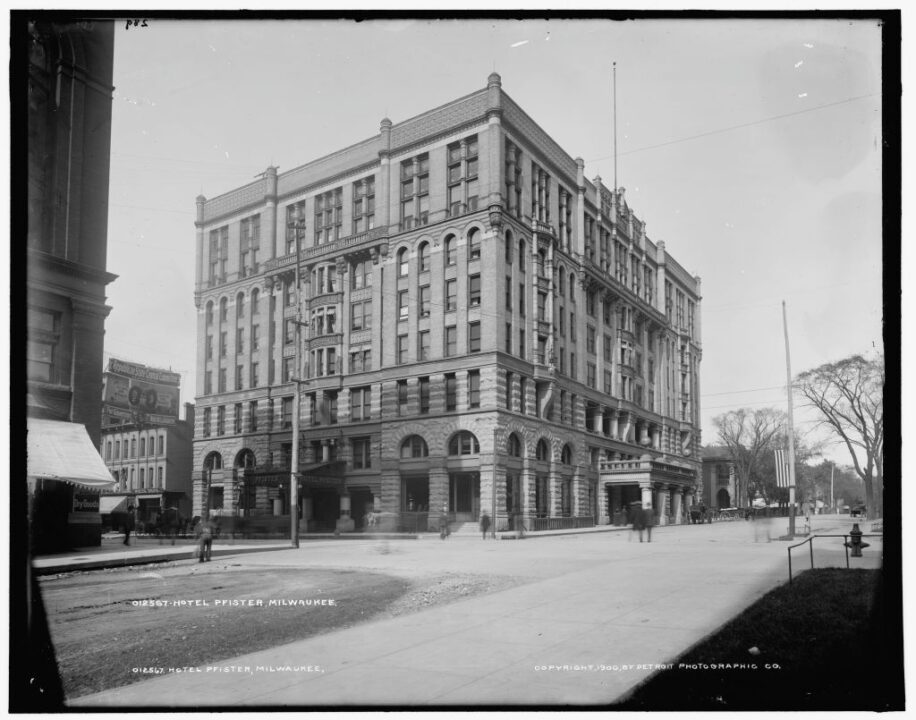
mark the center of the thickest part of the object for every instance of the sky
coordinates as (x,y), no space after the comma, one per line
(750,147)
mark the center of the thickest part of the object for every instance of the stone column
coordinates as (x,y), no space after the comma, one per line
(604,492)
(613,428)
(661,507)
(645,488)
(438,487)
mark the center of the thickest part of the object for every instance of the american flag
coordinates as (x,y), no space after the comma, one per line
(782,469)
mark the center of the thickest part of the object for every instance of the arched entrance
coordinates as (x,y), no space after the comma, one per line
(722,498)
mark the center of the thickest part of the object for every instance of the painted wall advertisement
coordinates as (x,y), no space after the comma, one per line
(133,392)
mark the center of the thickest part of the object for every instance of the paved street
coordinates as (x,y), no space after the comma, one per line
(587,618)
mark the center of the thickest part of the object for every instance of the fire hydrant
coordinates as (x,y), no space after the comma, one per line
(855,541)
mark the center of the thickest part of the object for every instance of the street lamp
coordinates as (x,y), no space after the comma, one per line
(298,226)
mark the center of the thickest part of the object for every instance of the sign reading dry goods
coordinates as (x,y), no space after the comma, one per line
(132,390)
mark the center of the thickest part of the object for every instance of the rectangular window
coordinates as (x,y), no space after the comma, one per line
(474,337)
(521,299)
(451,341)
(508,390)
(403,305)
(286,413)
(590,339)
(423,345)
(361,315)
(424,395)
(424,301)
(142,447)
(474,246)
(360,404)
(451,392)
(295,216)
(222,344)
(237,422)
(221,384)
(208,382)
(572,326)
(362,459)
(253,416)
(239,341)
(474,388)
(508,292)
(474,290)
(402,349)
(221,420)
(402,397)
(239,377)
(523,395)
(590,375)
(451,295)
(254,375)
(249,244)
(208,347)
(521,344)
(509,338)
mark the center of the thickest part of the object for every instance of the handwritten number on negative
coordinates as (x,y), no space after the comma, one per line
(136,22)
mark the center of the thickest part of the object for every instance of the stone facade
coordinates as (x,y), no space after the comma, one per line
(482,329)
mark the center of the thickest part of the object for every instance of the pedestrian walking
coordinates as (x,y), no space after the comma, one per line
(484,525)
(205,542)
(443,524)
(128,524)
(642,520)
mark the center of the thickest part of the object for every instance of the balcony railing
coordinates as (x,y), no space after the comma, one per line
(557,523)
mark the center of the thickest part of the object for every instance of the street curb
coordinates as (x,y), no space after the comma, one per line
(41,568)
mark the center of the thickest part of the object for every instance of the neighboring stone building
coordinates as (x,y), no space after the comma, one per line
(69,91)
(718,486)
(483,329)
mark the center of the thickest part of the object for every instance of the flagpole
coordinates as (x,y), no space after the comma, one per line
(615,127)
(785,329)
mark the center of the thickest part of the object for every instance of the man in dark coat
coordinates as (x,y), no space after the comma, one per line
(484,524)
(642,520)
(443,523)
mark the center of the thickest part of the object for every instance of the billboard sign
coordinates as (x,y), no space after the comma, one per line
(132,391)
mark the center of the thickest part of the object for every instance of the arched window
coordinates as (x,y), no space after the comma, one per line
(473,245)
(513,446)
(255,295)
(509,247)
(245,459)
(142,478)
(424,256)
(562,281)
(451,250)
(213,461)
(463,443)
(566,455)
(223,310)
(402,262)
(210,313)
(572,286)
(240,305)
(543,450)
(414,446)
(521,254)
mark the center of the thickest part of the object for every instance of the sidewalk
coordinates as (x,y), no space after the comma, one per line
(594,616)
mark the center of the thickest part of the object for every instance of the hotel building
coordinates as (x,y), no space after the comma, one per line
(482,329)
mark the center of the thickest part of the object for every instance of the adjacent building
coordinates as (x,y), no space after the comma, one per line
(718,479)
(146,446)
(481,328)
(69,95)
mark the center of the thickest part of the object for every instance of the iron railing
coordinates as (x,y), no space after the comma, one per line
(810,542)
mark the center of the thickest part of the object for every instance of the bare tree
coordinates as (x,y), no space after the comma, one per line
(849,394)
(749,435)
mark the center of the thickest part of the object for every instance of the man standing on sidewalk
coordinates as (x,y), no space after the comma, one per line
(205,533)
(128,524)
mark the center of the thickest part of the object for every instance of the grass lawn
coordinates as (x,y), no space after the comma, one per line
(817,648)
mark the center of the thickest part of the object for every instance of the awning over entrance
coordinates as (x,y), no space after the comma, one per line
(63,451)
(113,503)
(309,476)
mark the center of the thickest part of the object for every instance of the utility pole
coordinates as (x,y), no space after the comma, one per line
(785,329)
(297,227)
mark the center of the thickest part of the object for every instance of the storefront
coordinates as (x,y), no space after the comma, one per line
(65,477)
